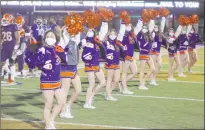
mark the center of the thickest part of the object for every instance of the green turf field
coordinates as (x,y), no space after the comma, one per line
(176,105)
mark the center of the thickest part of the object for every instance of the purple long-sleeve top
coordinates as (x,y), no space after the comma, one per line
(48,62)
(112,52)
(183,42)
(159,43)
(193,38)
(91,49)
(145,47)
(128,43)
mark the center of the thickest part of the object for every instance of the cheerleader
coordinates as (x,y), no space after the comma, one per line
(46,59)
(112,65)
(145,40)
(172,46)
(193,38)
(90,56)
(183,56)
(129,63)
(156,46)
(69,53)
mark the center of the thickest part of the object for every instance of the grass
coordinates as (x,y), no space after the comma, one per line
(168,107)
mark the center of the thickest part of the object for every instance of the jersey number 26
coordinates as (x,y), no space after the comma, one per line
(6,36)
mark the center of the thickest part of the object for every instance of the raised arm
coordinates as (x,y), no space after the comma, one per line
(188,29)
(103,31)
(77,38)
(138,27)
(162,25)
(65,38)
(196,27)
(151,25)
(178,31)
(121,32)
(58,30)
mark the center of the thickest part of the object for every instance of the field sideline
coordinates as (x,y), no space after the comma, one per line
(175,105)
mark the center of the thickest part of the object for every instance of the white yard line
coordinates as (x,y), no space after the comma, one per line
(195,72)
(154,97)
(17,88)
(66,123)
(177,81)
(194,65)
(171,98)
(182,82)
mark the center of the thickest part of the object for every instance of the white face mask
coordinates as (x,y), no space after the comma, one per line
(90,34)
(112,37)
(50,41)
(144,30)
(156,29)
(128,28)
(171,34)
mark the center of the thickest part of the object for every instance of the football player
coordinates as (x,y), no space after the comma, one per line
(20,52)
(10,36)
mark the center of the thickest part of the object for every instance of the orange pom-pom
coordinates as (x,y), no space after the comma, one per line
(182,20)
(87,15)
(92,19)
(106,14)
(66,20)
(187,21)
(145,15)
(194,19)
(97,20)
(164,12)
(110,14)
(155,13)
(75,23)
(152,13)
(125,17)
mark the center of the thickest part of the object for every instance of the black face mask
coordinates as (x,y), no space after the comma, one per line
(39,23)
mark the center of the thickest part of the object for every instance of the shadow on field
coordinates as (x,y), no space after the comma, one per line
(16,109)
